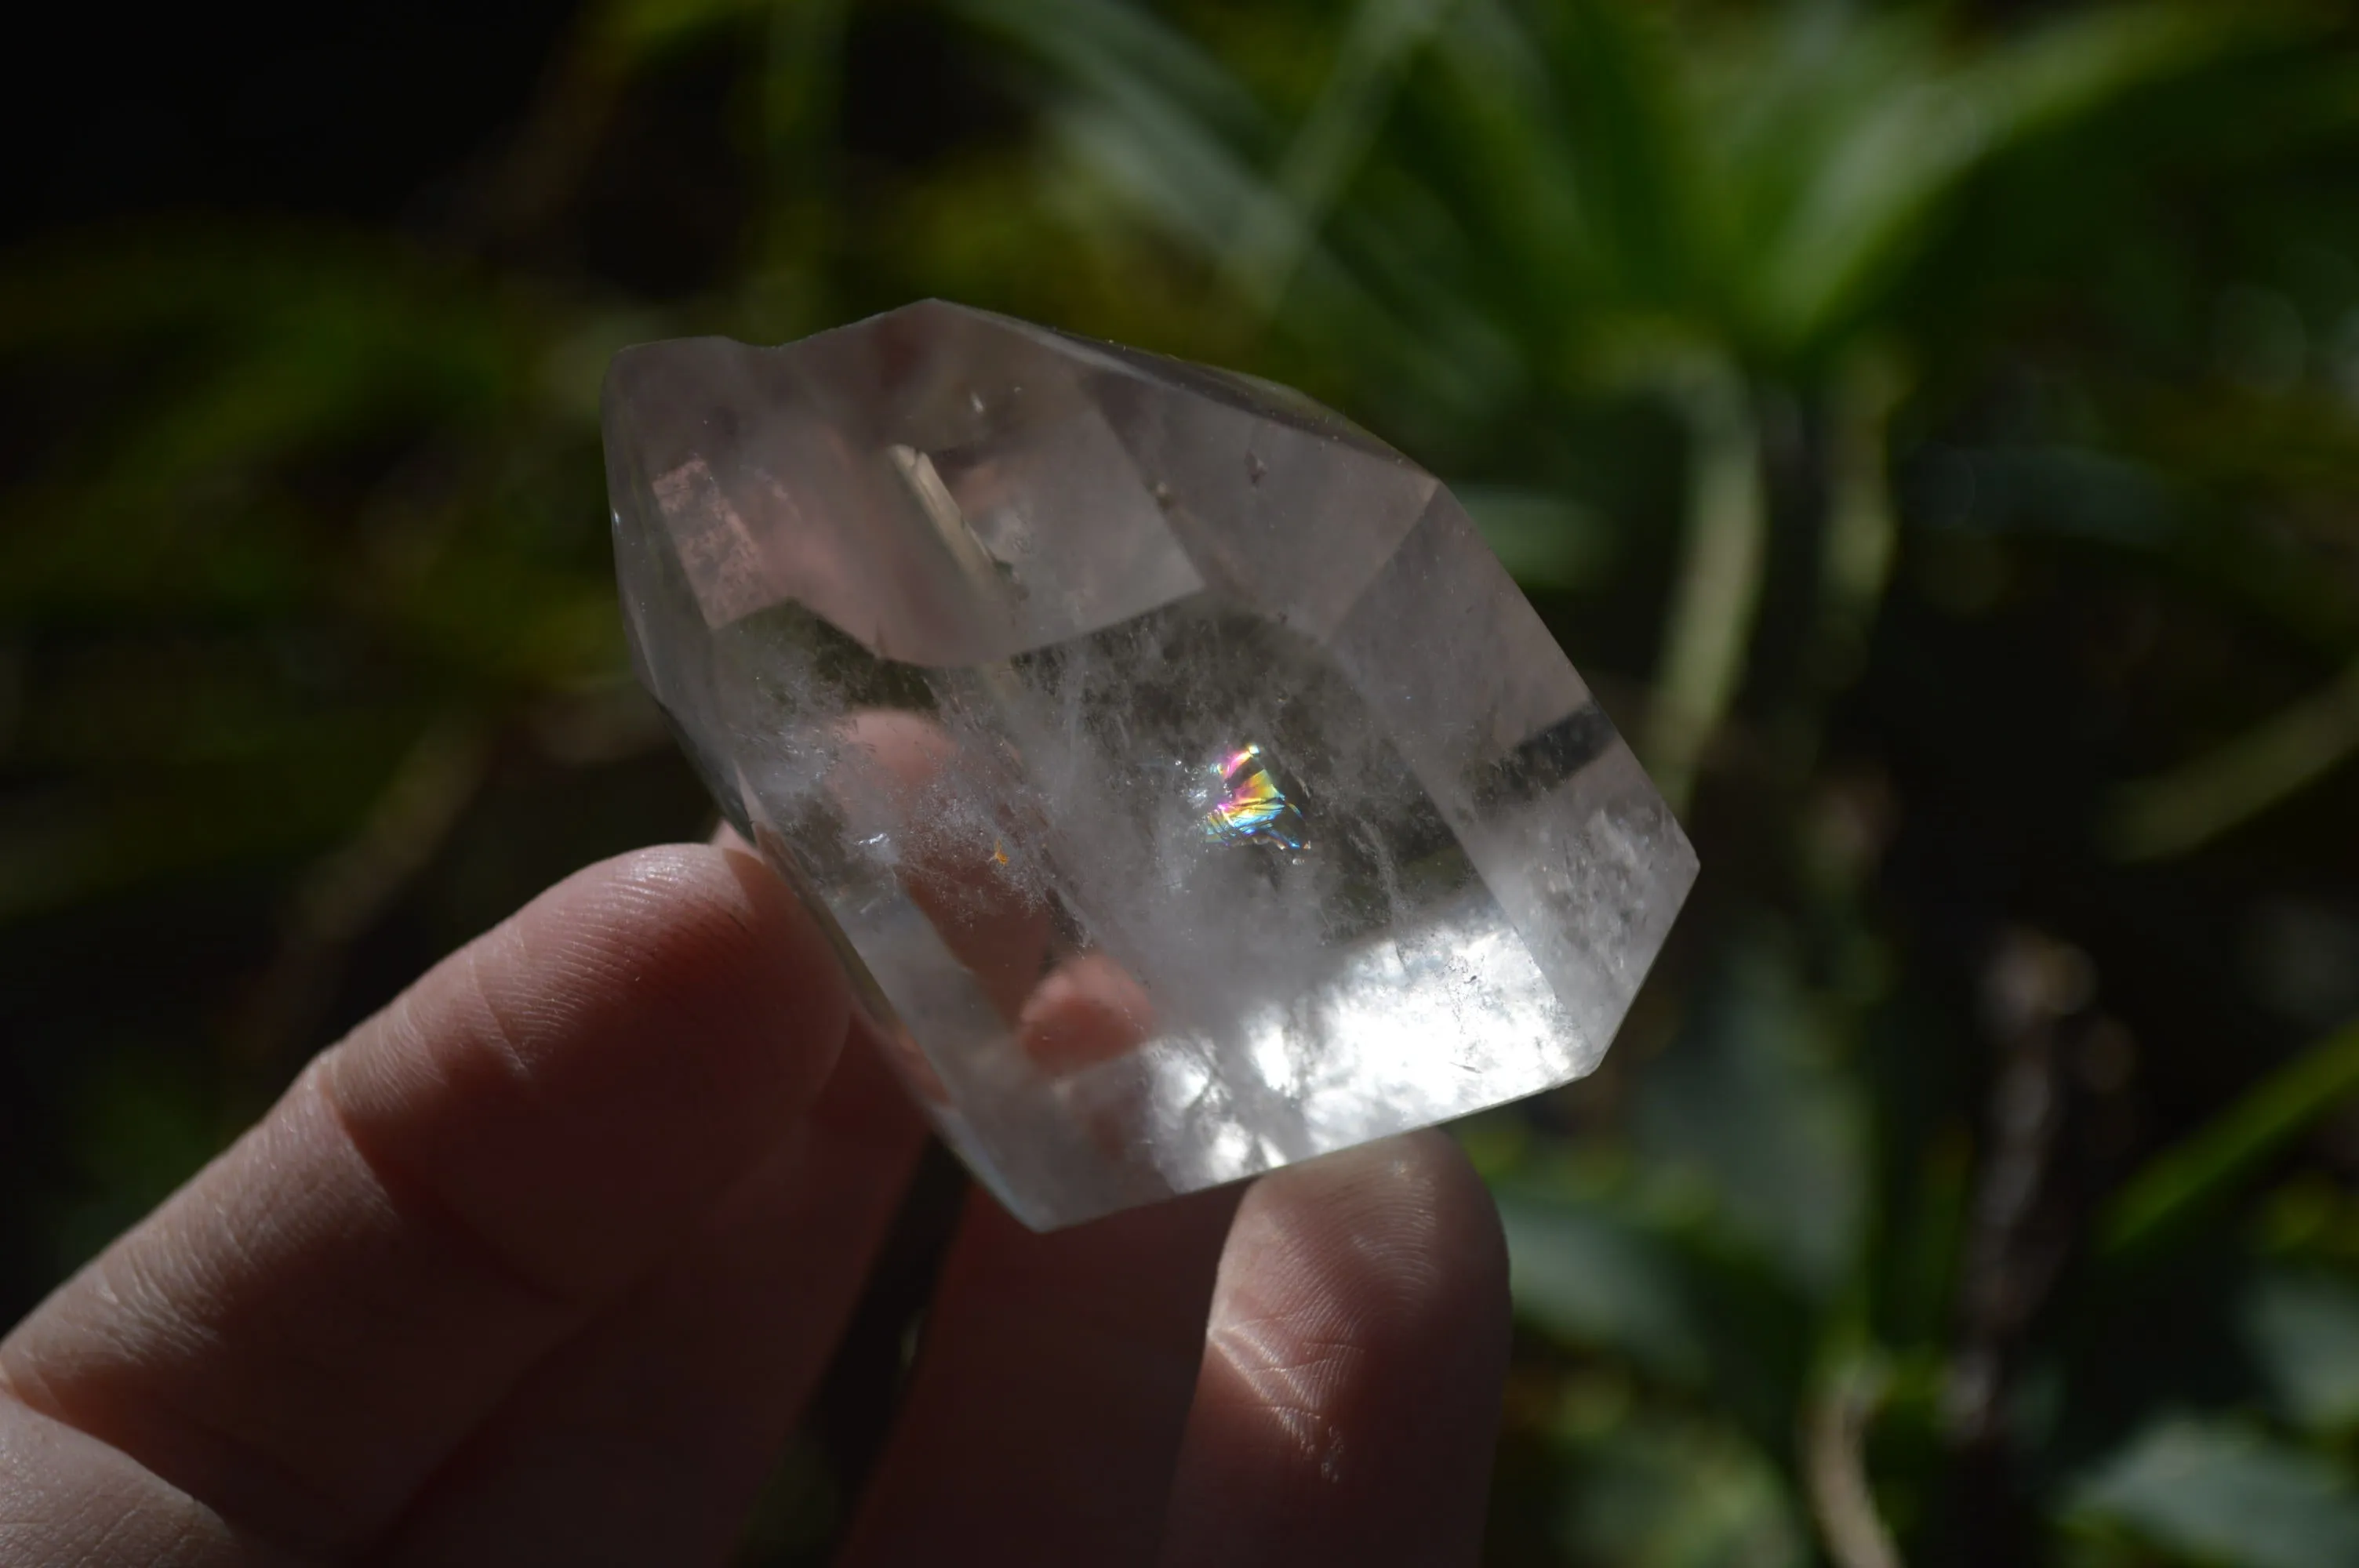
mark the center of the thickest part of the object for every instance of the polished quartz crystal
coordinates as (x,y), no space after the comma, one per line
(1189,789)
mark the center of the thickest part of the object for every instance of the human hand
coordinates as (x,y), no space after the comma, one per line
(539,1264)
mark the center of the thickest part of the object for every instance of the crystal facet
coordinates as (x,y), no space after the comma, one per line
(1188,787)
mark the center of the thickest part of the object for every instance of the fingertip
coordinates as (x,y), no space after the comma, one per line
(1399,1237)
(626,1042)
(301,1334)
(1353,1365)
(1086,1011)
(1050,1390)
(1420,1195)
(681,914)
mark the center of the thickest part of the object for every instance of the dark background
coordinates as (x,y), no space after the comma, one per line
(1985,1133)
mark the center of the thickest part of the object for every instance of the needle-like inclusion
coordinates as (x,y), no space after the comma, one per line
(1187,788)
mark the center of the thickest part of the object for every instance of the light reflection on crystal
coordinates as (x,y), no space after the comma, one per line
(1186,787)
(1462,1004)
(1254,807)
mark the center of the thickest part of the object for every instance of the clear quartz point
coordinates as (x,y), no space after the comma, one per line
(1188,787)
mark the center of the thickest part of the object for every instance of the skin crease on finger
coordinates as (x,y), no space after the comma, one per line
(673,1406)
(1344,1401)
(1352,1367)
(301,1334)
(409,1300)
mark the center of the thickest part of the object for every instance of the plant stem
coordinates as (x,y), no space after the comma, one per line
(1834,1468)
(1719,585)
(2199,800)
(1856,562)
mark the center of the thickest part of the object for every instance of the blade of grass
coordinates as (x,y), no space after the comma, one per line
(1719,585)
(1333,140)
(801,91)
(1913,146)
(1856,559)
(2180,810)
(2192,1178)
(1834,1466)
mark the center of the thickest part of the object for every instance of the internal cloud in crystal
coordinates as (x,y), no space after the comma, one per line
(1188,787)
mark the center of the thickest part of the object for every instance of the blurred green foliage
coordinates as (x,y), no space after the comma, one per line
(1934,428)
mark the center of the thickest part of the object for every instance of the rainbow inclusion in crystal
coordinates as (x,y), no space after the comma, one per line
(1252,805)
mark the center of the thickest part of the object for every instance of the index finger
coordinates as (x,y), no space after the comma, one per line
(301,1333)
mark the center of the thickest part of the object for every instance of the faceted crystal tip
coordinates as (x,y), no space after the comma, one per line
(1187,788)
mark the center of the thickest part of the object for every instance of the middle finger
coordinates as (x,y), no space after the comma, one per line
(1051,1390)
(646,1437)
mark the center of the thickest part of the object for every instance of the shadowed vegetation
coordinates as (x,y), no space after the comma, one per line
(1934,430)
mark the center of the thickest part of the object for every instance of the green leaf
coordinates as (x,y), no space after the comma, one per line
(1586,1274)
(1751,1101)
(2302,1327)
(1909,148)
(1125,54)
(1328,147)
(1630,125)
(1546,541)
(2223,1495)
(1666,1492)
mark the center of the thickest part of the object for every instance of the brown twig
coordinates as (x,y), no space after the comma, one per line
(346,891)
(1834,1466)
